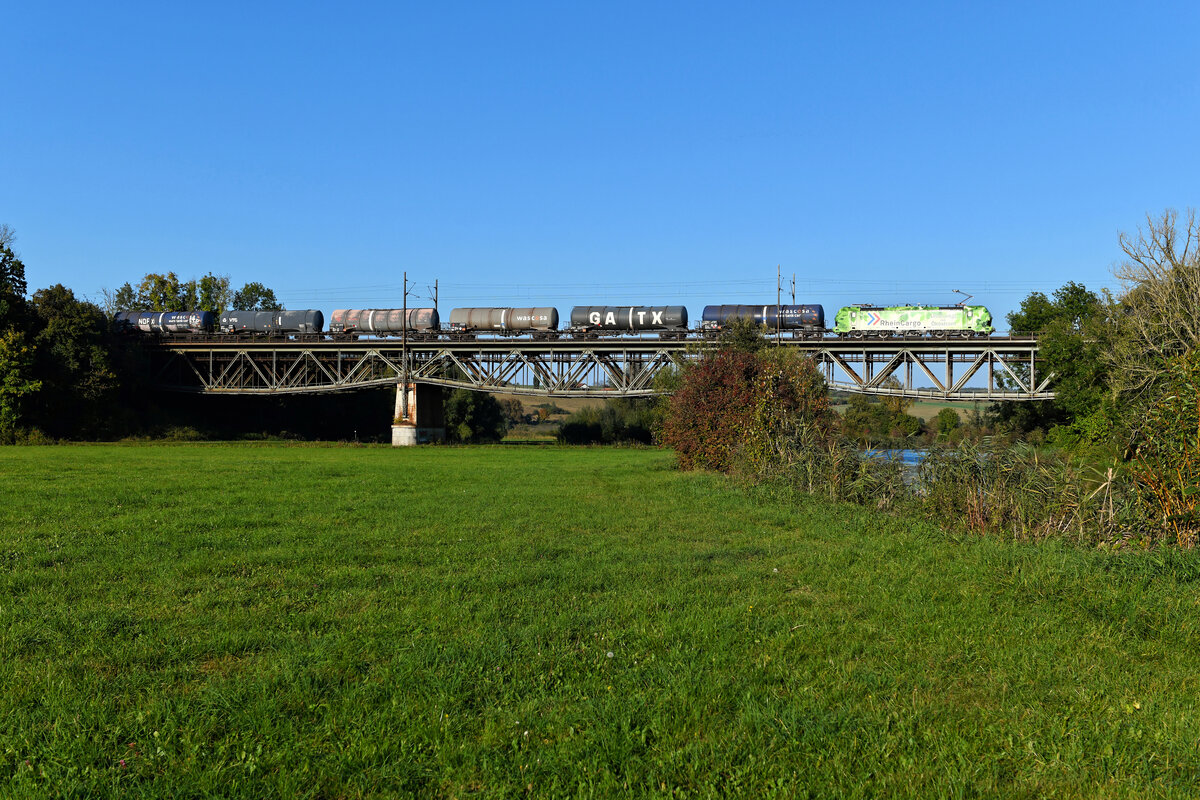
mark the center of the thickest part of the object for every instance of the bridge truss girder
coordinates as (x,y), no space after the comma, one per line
(998,369)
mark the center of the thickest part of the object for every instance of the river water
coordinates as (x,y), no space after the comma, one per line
(909,458)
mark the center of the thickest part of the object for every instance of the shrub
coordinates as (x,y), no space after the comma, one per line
(1166,464)
(747,408)
(618,420)
(791,409)
(708,416)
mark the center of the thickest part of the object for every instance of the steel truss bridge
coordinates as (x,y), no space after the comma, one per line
(997,367)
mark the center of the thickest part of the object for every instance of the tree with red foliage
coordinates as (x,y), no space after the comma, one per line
(709,413)
(735,406)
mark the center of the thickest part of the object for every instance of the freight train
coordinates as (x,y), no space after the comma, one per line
(668,322)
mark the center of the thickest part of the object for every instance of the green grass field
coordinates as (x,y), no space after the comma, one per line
(253,621)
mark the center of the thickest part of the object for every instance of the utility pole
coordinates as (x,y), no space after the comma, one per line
(793,288)
(404,355)
(778,298)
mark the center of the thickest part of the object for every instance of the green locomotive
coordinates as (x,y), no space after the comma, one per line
(938,321)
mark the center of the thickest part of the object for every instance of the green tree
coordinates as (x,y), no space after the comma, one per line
(214,293)
(123,299)
(189,295)
(73,364)
(474,417)
(16,381)
(878,421)
(791,411)
(1073,327)
(513,411)
(157,292)
(743,335)
(946,422)
(255,296)
(12,283)
(897,405)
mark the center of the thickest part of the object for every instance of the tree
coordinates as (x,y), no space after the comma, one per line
(123,299)
(742,334)
(1073,327)
(709,412)
(254,296)
(513,411)
(214,293)
(16,380)
(473,417)
(946,422)
(12,282)
(188,295)
(157,292)
(792,415)
(734,407)
(897,405)
(1158,317)
(73,364)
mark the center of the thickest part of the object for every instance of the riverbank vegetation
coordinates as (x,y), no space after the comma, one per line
(1113,460)
(362,621)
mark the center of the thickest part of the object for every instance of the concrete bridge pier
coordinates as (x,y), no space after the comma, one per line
(425,421)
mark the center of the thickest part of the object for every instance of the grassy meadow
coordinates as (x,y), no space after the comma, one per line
(271,621)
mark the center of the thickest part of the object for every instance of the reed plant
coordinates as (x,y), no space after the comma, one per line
(1023,492)
(986,487)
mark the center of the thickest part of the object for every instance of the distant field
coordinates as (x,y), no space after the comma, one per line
(250,621)
(567,404)
(546,431)
(928,410)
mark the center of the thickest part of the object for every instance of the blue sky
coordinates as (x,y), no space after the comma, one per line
(568,153)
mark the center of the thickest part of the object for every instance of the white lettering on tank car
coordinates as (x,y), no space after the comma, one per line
(594,317)
(610,318)
(656,318)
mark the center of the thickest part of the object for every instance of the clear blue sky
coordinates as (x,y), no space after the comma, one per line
(566,153)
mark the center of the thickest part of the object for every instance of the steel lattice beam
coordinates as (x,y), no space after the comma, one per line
(922,368)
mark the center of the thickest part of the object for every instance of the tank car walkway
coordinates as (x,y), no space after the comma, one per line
(997,367)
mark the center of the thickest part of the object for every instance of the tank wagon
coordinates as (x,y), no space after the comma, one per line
(165,322)
(383,321)
(629,319)
(272,322)
(805,318)
(914,320)
(510,321)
